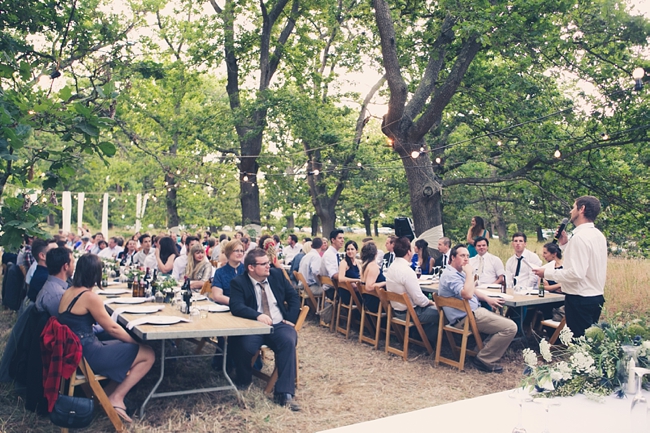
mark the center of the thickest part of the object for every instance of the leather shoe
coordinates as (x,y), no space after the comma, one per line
(480,365)
(287,400)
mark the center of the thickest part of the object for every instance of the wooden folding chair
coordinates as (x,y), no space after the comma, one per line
(353,305)
(410,320)
(469,328)
(558,326)
(89,382)
(371,320)
(271,379)
(327,281)
(306,294)
(286,275)
(207,288)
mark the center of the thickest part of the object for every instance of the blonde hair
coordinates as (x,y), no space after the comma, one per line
(193,267)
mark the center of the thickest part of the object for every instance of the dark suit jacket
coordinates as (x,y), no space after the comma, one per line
(388,259)
(439,261)
(243,302)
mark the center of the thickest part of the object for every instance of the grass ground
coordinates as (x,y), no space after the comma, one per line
(341,381)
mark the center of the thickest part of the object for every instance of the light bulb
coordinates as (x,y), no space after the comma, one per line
(638,73)
(178,172)
(245,178)
(438,160)
(316,172)
(415,154)
(358,164)
(557,153)
(499,143)
(604,136)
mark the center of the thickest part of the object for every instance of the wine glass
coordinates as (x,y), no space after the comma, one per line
(547,403)
(521,396)
(639,405)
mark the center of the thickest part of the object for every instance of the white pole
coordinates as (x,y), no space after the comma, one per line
(105,217)
(138,212)
(81,198)
(66,203)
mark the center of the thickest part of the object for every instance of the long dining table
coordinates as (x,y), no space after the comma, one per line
(216,324)
(517,302)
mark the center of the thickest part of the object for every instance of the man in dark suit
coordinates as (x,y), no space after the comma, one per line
(260,294)
(444,246)
(389,257)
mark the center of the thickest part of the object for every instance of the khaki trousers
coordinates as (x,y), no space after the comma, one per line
(501,330)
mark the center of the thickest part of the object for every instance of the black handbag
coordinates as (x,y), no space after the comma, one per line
(72,412)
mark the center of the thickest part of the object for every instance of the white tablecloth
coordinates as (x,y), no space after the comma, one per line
(497,413)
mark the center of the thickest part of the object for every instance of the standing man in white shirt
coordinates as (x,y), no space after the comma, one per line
(292,249)
(520,266)
(488,267)
(584,268)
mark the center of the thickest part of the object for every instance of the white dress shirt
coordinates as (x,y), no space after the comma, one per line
(330,263)
(400,278)
(110,253)
(492,268)
(310,267)
(290,252)
(140,257)
(178,271)
(585,263)
(276,314)
(526,277)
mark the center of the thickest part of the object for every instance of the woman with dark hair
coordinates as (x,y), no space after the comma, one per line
(79,309)
(422,258)
(476,229)
(126,256)
(372,277)
(349,269)
(166,254)
(552,253)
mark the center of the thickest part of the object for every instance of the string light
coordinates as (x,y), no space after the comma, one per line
(245,178)
(438,160)
(557,152)
(415,154)
(604,136)
(499,143)
(178,172)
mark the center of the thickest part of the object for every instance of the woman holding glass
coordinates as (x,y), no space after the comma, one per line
(122,360)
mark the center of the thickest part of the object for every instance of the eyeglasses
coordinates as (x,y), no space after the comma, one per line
(238,251)
(263,264)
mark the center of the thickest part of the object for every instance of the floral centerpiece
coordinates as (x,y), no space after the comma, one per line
(595,364)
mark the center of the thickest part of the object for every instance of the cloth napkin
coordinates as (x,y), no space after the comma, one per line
(112,300)
(119,311)
(145,320)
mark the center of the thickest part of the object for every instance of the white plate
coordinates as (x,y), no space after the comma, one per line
(425,282)
(144,309)
(197,298)
(163,320)
(113,291)
(489,286)
(215,308)
(128,300)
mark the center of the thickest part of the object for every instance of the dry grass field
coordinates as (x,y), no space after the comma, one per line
(341,381)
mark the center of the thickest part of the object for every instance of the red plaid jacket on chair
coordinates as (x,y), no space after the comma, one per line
(61,352)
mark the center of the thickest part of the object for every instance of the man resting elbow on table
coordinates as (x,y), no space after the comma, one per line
(455,284)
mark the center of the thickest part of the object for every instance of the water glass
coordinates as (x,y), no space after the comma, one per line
(521,396)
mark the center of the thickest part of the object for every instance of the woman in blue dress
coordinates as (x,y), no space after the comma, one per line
(422,258)
(349,269)
(79,309)
(372,277)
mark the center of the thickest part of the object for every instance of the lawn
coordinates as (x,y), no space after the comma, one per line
(341,381)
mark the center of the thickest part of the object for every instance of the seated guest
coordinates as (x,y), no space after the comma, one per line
(295,263)
(553,256)
(269,247)
(234,252)
(401,278)
(165,255)
(80,308)
(372,276)
(380,253)
(330,260)
(178,272)
(145,251)
(198,269)
(112,250)
(310,266)
(389,257)
(522,273)
(212,242)
(25,257)
(444,245)
(40,276)
(101,246)
(265,295)
(126,256)
(349,269)
(488,267)
(60,266)
(422,258)
(455,284)
(94,246)
(292,249)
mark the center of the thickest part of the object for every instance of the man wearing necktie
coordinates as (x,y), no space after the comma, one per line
(444,246)
(389,257)
(519,267)
(488,266)
(265,295)
(331,260)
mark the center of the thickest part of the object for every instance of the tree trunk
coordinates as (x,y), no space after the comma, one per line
(314,225)
(376,228)
(248,186)
(502,228)
(291,223)
(540,236)
(170,201)
(367,222)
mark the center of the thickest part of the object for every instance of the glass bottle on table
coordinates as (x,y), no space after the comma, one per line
(135,288)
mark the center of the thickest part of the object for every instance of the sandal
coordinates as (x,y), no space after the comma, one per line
(121,412)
